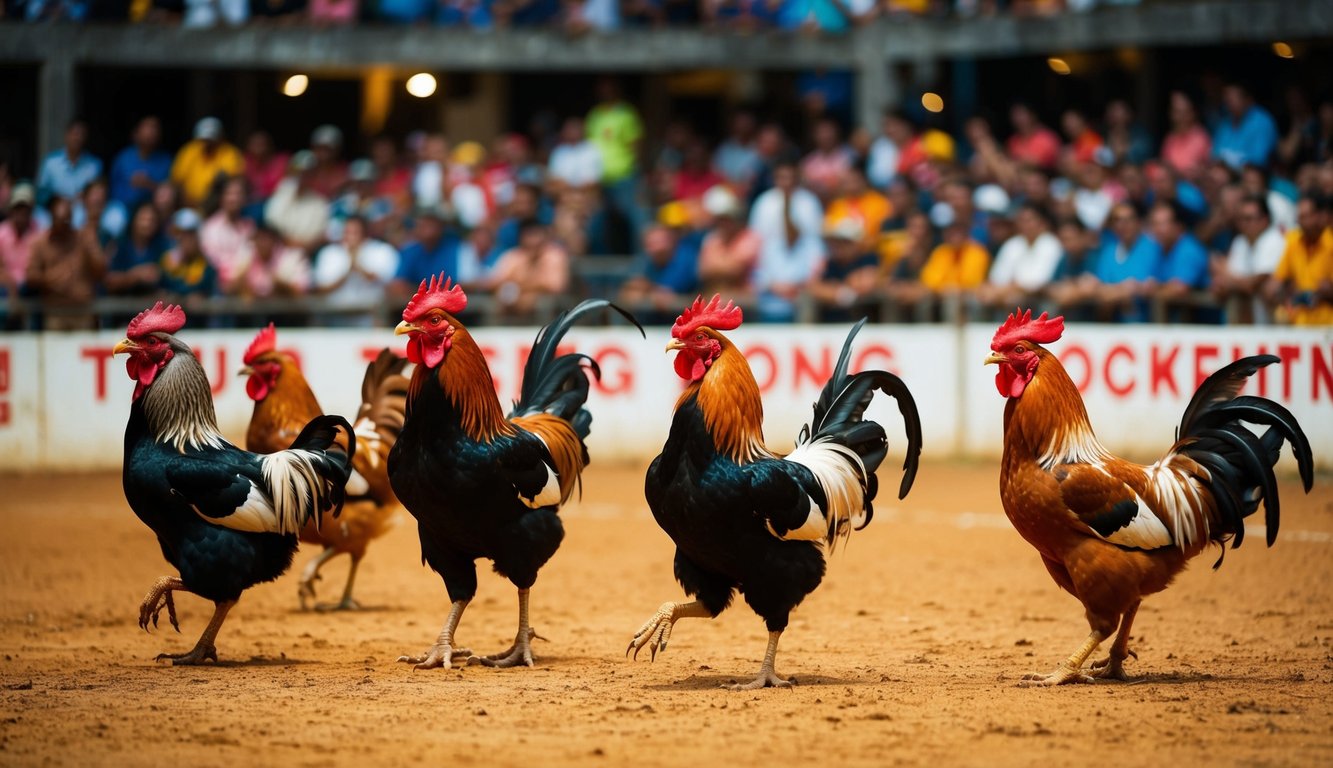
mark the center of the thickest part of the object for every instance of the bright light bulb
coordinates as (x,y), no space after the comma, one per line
(421,85)
(295,85)
(1058,66)
(1283,50)
(932,102)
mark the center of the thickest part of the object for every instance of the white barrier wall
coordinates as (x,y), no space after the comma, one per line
(64,399)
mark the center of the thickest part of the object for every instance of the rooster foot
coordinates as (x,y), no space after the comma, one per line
(654,633)
(1061,676)
(346,604)
(1111,667)
(159,597)
(438,657)
(517,655)
(201,653)
(306,593)
(767,679)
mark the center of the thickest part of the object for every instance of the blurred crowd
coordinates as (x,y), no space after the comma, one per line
(1223,217)
(573,16)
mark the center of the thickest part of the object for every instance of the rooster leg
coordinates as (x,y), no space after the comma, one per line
(1112,667)
(159,597)
(204,649)
(347,603)
(1069,672)
(655,632)
(768,676)
(306,590)
(441,655)
(520,653)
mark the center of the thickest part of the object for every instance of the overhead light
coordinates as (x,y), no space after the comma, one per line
(295,85)
(1058,66)
(421,85)
(932,102)
(1283,50)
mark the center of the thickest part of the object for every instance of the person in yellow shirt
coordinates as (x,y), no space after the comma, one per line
(1303,282)
(200,162)
(957,264)
(861,203)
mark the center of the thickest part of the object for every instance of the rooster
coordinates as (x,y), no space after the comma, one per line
(284,403)
(742,517)
(226,519)
(478,483)
(1109,531)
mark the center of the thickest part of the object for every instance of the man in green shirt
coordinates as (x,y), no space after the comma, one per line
(615,129)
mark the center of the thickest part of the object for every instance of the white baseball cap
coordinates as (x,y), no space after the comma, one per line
(209,129)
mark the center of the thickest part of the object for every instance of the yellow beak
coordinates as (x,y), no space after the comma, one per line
(124,345)
(996,358)
(674,345)
(246,371)
(405,327)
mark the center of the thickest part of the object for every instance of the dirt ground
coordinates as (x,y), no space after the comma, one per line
(909,653)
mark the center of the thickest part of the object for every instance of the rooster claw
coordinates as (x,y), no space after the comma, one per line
(654,633)
(159,597)
(199,655)
(1061,676)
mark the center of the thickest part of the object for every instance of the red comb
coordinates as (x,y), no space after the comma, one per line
(713,315)
(167,319)
(436,294)
(265,341)
(1021,327)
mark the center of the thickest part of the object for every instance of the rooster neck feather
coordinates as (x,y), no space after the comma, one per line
(290,401)
(466,382)
(179,405)
(733,412)
(1048,423)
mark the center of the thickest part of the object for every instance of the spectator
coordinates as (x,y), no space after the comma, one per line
(1302,284)
(525,13)
(592,15)
(404,11)
(354,272)
(467,198)
(359,198)
(18,232)
(849,273)
(737,159)
(296,210)
(860,203)
(432,250)
(886,150)
(330,172)
(1187,146)
(1125,269)
(1083,140)
(696,175)
(336,12)
(1129,141)
(1094,195)
(96,216)
(186,274)
(959,263)
(136,259)
(663,275)
(1026,263)
(615,129)
(475,14)
(201,14)
(575,162)
(730,250)
(527,204)
(1184,259)
(264,167)
(65,270)
(66,171)
(428,181)
(140,167)
(225,237)
(788,220)
(1255,181)
(823,169)
(1077,254)
(538,268)
(1255,253)
(393,180)
(1032,143)
(1247,134)
(274,269)
(199,163)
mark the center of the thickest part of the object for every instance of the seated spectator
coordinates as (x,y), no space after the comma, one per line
(474,14)
(1302,284)
(333,12)
(65,269)
(1246,135)
(1083,140)
(696,175)
(18,232)
(428,180)
(1126,137)
(354,273)
(858,201)
(1094,195)
(393,179)
(296,210)
(729,251)
(273,268)
(201,14)
(1125,269)
(536,269)
(358,198)
(737,159)
(186,274)
(575,162)
(1256,181)
(525,13)
(1032,143)
(848,275)
(788,220)
(434,248)
(663,274)
(225,237)
(1078,251)
(66,171)
(199,163)
(1026,263)
(592,16)
(823,169)
(739,15)
(1165,186)
(467,197)
(329,173)
(882,163)
(959,263)
(140,167)
(526,204)
(136,258)
(94,213)
(1187,145)
(1184,259)
(264,167)
(404,11)
(1255,253)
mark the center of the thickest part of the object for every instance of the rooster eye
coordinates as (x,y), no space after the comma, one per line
(435,320)
(699,337)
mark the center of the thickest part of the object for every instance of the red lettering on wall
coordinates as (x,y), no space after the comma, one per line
(99,357)
(623,379)
(867,359)
(1084,379)
(803,367)
(220,374)
(1263,372)
(1289,353)
(1118,351)
(1321,372)
(1162,370)
(770,372)
(1203,367)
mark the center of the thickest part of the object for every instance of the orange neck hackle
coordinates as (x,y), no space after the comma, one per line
(465,379)
(733,411)
(1049,422)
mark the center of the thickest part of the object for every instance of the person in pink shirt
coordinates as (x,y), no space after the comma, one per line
(264,167)
(329,12)
(537,267)
(1083,140)
(225,236)
(729,252)
(274,269)
(17,233)
(823,169)
(1032,142)
(696,175)
(1187,146)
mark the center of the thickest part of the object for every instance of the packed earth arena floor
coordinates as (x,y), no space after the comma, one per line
(908,654)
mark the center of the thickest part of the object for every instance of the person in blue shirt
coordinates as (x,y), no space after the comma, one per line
(139,168)
(136,257)
(433,249)
(1246,134)
(527,203)
(667,269)
(1126,269)
(66,171)
(1185,264)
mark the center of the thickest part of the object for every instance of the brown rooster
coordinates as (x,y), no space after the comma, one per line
(1111,531)
(284,402)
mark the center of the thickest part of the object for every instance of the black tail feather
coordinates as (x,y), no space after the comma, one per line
(320,436)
